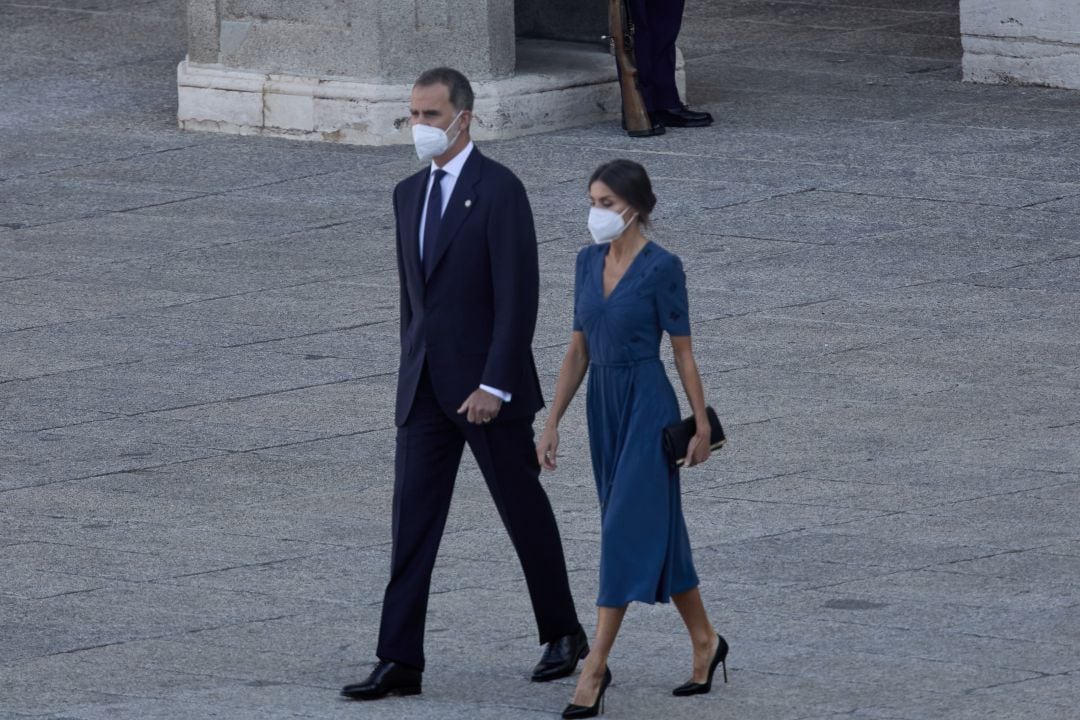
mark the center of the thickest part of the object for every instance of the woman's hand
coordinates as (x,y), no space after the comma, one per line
(698,450)
(547,448)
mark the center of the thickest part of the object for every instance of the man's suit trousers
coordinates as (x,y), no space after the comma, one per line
(429,449)
(657,24)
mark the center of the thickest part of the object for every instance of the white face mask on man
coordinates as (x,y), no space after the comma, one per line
(431,142)
(606,225)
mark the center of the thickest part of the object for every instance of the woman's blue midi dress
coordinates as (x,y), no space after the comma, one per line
(645,551)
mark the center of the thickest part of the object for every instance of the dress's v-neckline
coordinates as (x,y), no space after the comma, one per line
(603,260)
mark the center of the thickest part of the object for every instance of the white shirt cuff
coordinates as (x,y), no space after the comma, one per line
(504,396)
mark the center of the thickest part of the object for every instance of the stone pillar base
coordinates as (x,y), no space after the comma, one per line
(1021,42)
(557,85)
(1021,62)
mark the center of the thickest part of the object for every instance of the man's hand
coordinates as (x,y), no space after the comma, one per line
(480,407)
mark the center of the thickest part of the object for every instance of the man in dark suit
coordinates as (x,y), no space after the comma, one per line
(656,28)
(469,279)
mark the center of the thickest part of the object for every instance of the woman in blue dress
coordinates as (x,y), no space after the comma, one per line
(628,292)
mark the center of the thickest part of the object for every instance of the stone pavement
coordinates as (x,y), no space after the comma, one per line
(197,355)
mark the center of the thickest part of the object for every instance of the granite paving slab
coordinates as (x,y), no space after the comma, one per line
(197,353)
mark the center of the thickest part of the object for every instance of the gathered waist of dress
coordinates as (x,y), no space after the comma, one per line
(624,363)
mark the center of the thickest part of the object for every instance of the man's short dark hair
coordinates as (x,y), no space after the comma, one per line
(461,94)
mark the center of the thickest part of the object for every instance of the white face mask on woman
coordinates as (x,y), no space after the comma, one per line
(606,225)
(431,142)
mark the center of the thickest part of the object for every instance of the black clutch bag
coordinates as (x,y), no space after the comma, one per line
(677,437)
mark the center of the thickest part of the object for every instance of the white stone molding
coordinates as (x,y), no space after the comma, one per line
(556,85)
(1024,42)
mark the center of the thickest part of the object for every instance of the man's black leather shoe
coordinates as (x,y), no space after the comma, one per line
(683,116)
(561,657)
(388,678)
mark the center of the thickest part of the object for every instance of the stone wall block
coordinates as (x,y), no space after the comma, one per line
(474,36)
(278,46)
(318,12)
(501,38)
(215,109)
(203,30)
(286,111)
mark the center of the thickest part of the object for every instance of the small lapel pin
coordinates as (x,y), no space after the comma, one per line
(468,203)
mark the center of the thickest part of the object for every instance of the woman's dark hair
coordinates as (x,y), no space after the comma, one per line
(628,180)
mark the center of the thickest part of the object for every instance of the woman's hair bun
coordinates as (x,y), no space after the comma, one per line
(628,180)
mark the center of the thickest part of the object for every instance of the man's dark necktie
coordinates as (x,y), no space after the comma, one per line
(432,223)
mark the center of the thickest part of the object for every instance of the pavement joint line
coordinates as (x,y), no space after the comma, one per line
(837,70)
(997,128)
(96,547)
(315,440)
(868,346)
(1000,553)
(124,211)
(197,631)
(1050,200)
(1007,493)
(117,364)
(767,477)
(1040,676)
(823,243)
(752,201)
(110,473)
(1040,261)
(241,566)
(165,583)
(807,44)
(229,296)
(1024,133)
(327,331)
(46,223)
(807,303)
(240,398)
(60,594)
(711,156)
(145,638)
(122,158)
(764,421)
(947,201)
(327,226)
(1063,212)
(890,572)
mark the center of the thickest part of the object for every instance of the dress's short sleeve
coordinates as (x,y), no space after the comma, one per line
(672,303)
(579,283)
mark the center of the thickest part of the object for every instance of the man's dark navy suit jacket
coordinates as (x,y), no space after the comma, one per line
(472,321)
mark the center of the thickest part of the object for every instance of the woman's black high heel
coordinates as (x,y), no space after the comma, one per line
(720,658)
(572,711)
